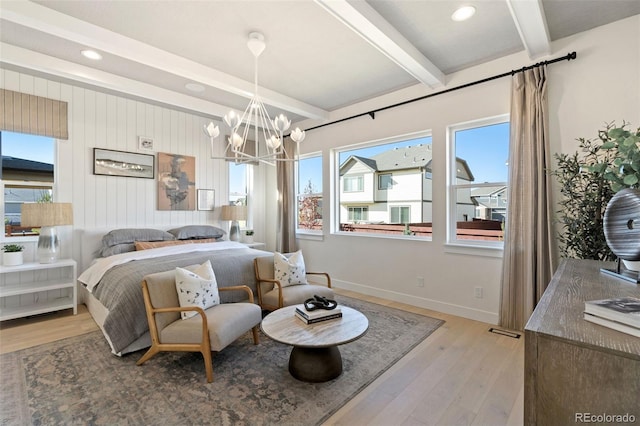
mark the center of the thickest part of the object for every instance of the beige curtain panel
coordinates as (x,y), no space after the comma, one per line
(287,208)
(22,113)
(528,262)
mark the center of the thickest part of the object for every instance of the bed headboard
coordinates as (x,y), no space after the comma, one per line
(90,243)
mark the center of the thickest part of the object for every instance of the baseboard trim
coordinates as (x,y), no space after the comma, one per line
(421,302)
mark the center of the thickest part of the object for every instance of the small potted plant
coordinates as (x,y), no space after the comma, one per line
(248,236)
(12,255)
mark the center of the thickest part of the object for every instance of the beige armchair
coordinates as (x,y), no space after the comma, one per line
(272,295)
(210,330)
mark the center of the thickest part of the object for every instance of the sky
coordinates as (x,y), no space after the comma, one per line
(29,147)
(486,150)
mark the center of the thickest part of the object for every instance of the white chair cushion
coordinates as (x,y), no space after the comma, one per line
(289,271)
(297,294)
(197,288)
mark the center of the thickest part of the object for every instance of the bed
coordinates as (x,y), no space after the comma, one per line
(110,284)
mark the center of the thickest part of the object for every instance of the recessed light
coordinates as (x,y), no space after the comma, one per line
(91,54)
(463,13)
(194,87)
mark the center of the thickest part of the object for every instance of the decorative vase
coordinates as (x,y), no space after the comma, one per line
(622,225)
(13,258)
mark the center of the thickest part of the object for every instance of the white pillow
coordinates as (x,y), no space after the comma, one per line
(289,271)
(197,288)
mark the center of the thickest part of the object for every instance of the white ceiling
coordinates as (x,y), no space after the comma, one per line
(321,55)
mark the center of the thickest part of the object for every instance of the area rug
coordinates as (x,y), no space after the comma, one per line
(78,381)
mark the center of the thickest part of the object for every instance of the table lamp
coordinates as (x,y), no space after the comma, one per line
(47,216)
(234,214)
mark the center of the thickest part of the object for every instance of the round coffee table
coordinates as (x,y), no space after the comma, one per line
(315,356)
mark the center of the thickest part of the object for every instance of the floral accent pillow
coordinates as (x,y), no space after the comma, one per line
(197,288)
(289,271)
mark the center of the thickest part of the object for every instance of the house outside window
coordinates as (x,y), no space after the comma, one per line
(309,193)
(238,188)
(477,197)
(388,181)
(400,214)
(27,177)
(385,181)
(357,214)
(353,184)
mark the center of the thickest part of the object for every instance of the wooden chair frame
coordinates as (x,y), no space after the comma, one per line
(260,280)
(204,347)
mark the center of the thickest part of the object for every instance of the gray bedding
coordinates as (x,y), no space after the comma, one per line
(120,289)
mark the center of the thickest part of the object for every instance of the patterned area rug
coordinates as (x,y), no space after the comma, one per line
(78,381)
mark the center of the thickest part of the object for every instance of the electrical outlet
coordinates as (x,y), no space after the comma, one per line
(478,292)
(420,281)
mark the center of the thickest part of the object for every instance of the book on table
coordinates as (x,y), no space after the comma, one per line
(623,310)
(634,331)
(320,319)
(318,313)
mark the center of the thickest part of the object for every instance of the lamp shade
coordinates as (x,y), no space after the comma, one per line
(46,214)
(234,213)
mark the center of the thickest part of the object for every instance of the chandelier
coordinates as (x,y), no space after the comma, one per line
(240,148)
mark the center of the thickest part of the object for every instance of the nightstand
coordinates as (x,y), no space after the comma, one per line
(37,288)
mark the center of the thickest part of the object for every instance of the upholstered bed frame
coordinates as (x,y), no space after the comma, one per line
(91,242)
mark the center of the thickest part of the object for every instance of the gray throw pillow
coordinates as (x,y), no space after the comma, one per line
(131,235)
(196,232)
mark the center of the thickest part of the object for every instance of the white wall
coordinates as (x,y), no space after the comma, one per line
(602,85)
(108,121)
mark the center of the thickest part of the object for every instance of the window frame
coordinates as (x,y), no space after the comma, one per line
(360,181)
(400,207)
(53,185)
(389,183)
(336,206)
(248,176)
(310,233)
(489,248)
(362,209)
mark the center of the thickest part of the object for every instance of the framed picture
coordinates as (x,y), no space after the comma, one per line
(206,199)
(121,163)
(176,182)
(145,143)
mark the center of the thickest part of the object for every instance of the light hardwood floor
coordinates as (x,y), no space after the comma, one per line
(461,375)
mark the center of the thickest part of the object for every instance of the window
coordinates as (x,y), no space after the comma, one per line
(238,192)
(357,214)
(27,176)
(385,181)
(309,193)
(400,214)
(353,184)
(384,185)
(478,170)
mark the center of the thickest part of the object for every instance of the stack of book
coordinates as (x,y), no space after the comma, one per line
(622,314)
(319,315)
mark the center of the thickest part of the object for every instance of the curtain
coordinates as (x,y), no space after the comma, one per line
(34,115)
(528,252)
(286,226)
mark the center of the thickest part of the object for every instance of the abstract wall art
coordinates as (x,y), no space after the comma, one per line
(176,182)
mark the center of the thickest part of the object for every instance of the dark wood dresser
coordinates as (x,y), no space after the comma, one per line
(573,367)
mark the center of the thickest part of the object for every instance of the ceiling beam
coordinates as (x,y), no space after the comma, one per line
(70,71)
(371,26)
(528,17)
(57,24)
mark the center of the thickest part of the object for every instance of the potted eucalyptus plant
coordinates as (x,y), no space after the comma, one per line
(12,255)
(248,236)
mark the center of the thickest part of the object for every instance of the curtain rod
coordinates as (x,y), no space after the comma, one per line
(372,113)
